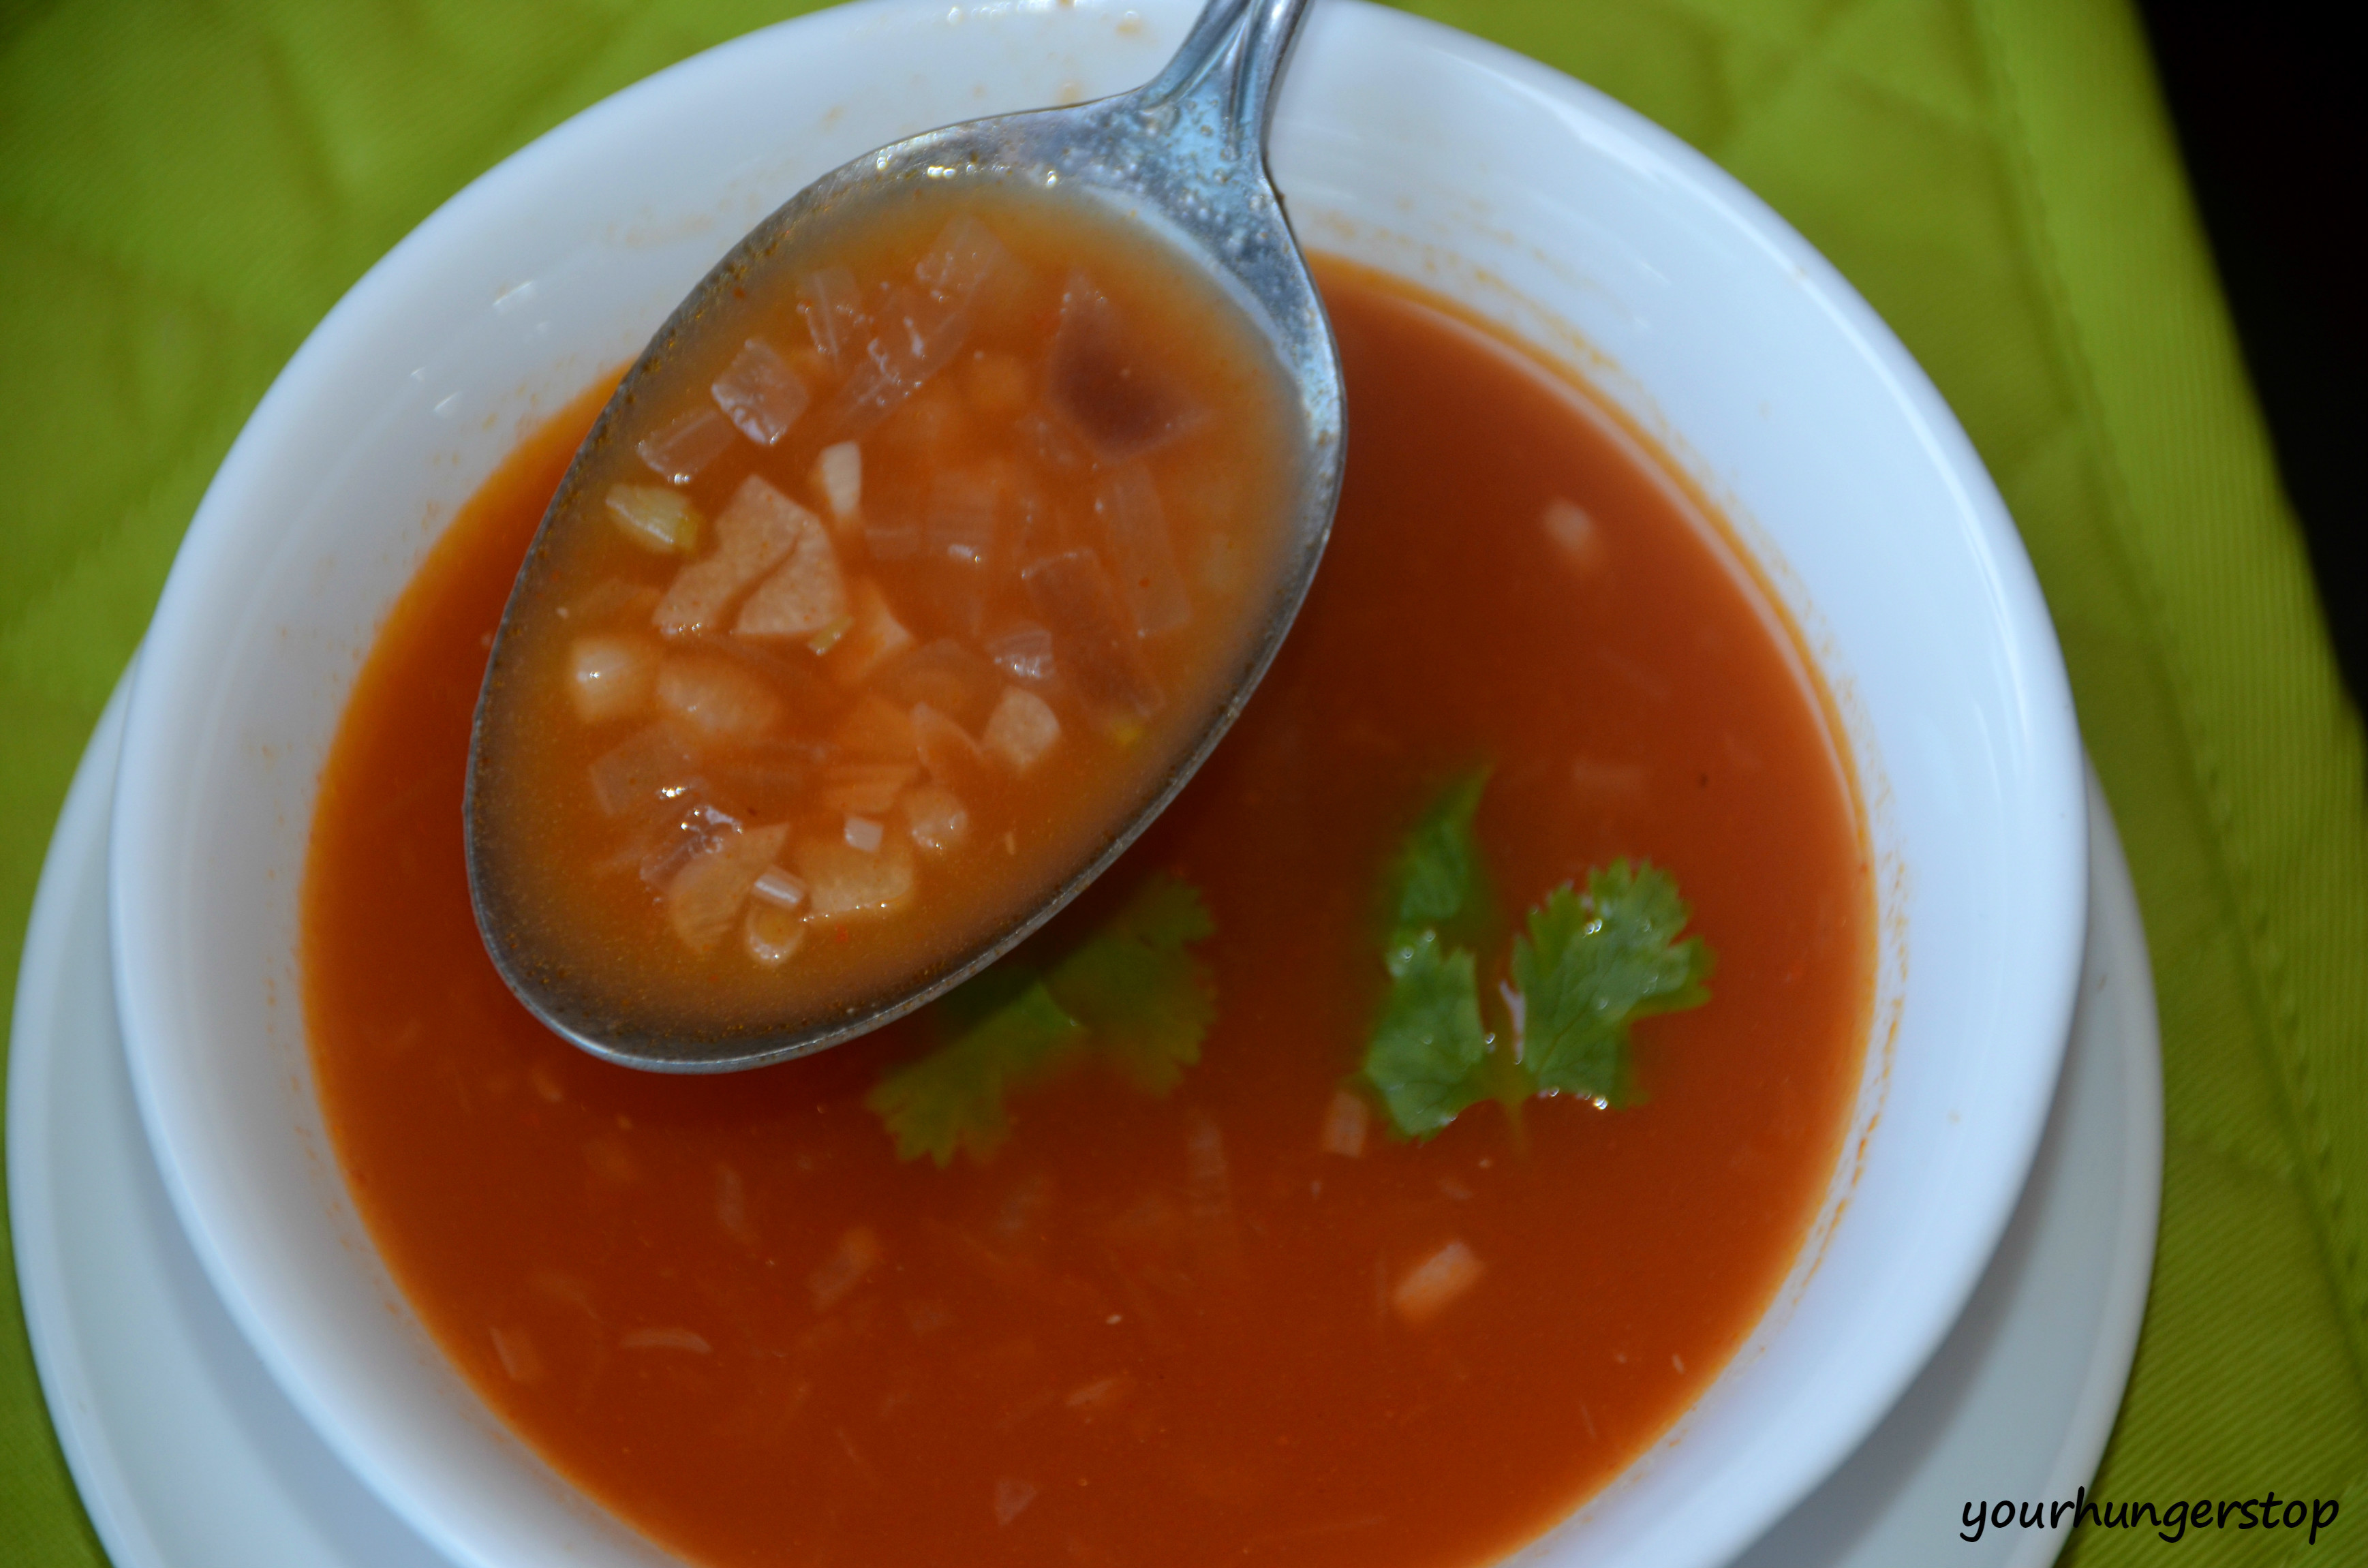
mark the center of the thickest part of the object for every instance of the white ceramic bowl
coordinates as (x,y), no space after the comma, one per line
(1534,200)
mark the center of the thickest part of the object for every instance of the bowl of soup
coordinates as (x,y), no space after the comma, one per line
(1545,1086)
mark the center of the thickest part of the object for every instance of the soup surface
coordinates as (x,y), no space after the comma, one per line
(1215,1310)
(858,632)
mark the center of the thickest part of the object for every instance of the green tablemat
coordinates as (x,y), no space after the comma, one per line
(185,187)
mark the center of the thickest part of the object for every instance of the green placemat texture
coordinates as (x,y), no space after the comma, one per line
(185,186)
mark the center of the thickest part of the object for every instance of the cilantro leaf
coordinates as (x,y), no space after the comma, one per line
(1588,968)
(1429,1048)
(1143,998)
(1131,993)
(1438,881)
(952,1098)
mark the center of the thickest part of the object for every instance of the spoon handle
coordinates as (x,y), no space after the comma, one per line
(1227,69)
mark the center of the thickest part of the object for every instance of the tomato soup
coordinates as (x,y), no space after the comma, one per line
(857,632)
(1220,1310)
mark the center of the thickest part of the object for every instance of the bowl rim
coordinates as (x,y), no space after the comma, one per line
(1786,1471)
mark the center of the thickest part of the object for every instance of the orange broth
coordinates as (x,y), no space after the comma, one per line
(1162,1331)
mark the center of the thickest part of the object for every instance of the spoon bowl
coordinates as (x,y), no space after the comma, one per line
(1180,160)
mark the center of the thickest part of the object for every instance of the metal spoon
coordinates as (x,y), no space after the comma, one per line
(1186,155)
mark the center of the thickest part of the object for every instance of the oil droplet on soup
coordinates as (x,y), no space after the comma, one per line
(854,635)
(1239,1319)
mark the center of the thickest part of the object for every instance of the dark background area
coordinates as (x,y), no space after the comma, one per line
(2268,106)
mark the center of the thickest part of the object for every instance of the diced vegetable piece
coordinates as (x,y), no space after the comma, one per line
(857,1255)
(716,697)
(1574,536)
(704,899)
(964,506)
(806,596)
(1050,443)
(1097,645)
(838,473)
(965,256)
(1346,1122)
(1104,386)
(654,518)
(873,636)
(876,730)
(779,888)
(864,832)
(682,446)
(1432,1285)
(1023,651)
(610,678)
(829,304)
(947,750)
(647,766)
(773,935)
(696,827)
(917,335)
(1022,729)
(946,675)
(760,393)
(1142,552)
(752,535)
(868,787)
(935,818)
(843,882)
(665,1339)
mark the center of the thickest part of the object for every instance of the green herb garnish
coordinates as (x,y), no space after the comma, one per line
(1131,996)
(1588,966)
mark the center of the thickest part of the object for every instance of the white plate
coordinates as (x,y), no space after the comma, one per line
(188,1455)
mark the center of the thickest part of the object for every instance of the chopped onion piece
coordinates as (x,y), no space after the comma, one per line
(917,335)
(703,901)
(965,258)
(865,787)
(716,697)
(935,818)
(1022,729)
(946,675)
(610,678)
(874,637)
(842,882)
(832,313)
(838,473)
(1575,536)
(1430,1287)
(682,446)
(752,535)
(695,829)
(779,888)
(1104,386)
(1345,1120)
(964,506)
(865,834)
(773,935)
(1142,552)
(1097,648)
(1023,651)
(807,596)
(857,1255)
(947,750)
(654,518)
(665,1339)
(649,764)
(760,393)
